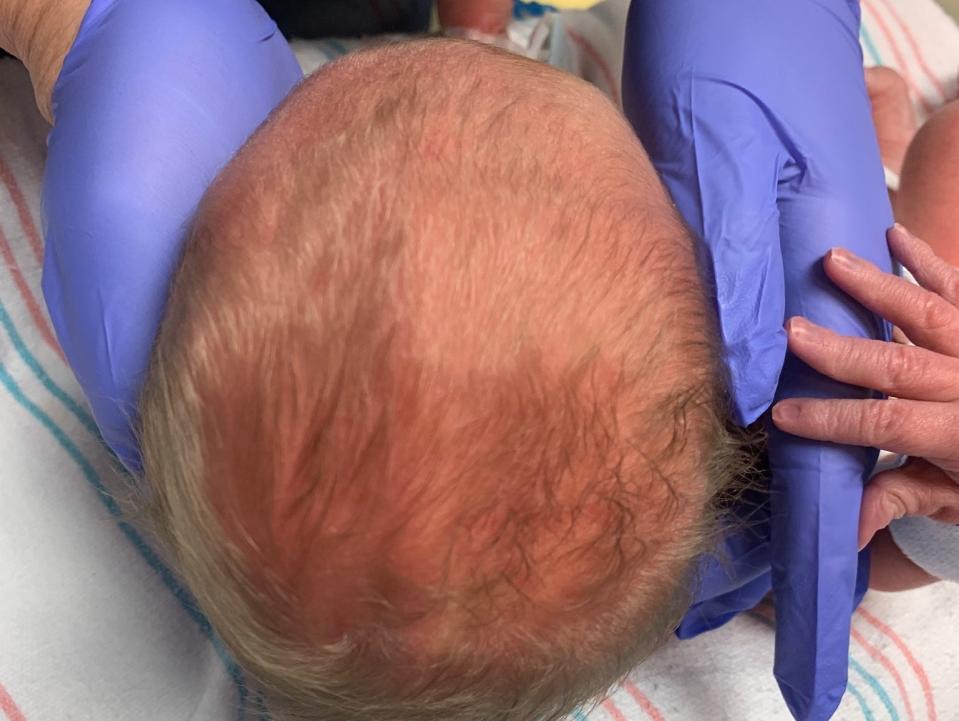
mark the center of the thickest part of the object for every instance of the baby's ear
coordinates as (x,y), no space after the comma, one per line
(485,16)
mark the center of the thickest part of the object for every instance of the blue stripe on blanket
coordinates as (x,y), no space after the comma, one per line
(62,439)
(876,688)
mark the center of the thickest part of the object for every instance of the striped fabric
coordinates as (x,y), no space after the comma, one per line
(919,40)
(95,626)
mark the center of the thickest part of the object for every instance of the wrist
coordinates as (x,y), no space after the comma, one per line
(41,33)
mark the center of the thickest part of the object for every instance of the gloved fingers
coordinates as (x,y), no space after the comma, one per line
(741,558)
(892,368)
(915,428)
(816,488)
(925,317)
(932,272)
(918,488)
(724,182)
(716,611)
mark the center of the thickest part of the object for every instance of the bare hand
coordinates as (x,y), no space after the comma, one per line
(922,417)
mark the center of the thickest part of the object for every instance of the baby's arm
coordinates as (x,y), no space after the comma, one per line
(40,33)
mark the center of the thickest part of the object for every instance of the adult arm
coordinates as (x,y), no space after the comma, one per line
(40,33)
(152,100)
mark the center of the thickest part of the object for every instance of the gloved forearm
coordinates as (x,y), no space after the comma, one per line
(40,32)
(816,488)
(154,98)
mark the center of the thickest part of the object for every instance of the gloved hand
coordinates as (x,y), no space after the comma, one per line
(756,115)
(154,98)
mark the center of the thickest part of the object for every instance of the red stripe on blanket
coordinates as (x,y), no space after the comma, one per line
(23,212)
(899,57)
(917,51)
(6,253)
(613,710)
(9,708)
(887,664)
(594,55)
(913,662)
(644,703)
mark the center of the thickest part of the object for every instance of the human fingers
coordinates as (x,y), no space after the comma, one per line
(915,428)
(899,337)
(916,489)
(928,319)
(931,271)
(898,370)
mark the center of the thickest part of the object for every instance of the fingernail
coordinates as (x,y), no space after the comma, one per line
(843,258)
(785,411)
(798,327)
(902,230)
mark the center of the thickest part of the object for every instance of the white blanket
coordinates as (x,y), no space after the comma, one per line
(93,626)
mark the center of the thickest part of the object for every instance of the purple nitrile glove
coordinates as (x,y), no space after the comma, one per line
(154,98)
(756,115)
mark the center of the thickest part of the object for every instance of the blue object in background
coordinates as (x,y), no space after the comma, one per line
(154,98)
(522,9)
(756,116)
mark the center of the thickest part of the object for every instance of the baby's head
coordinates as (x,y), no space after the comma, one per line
(432,422)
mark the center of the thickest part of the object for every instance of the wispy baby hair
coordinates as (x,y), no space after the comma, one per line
(432,425)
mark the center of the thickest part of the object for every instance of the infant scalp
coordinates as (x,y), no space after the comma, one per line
(431,421)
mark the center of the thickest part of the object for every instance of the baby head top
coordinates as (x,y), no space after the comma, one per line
(433,422)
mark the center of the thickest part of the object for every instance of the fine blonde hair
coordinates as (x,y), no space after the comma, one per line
(433,423)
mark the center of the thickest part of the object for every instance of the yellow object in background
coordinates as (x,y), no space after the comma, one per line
(572,4)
